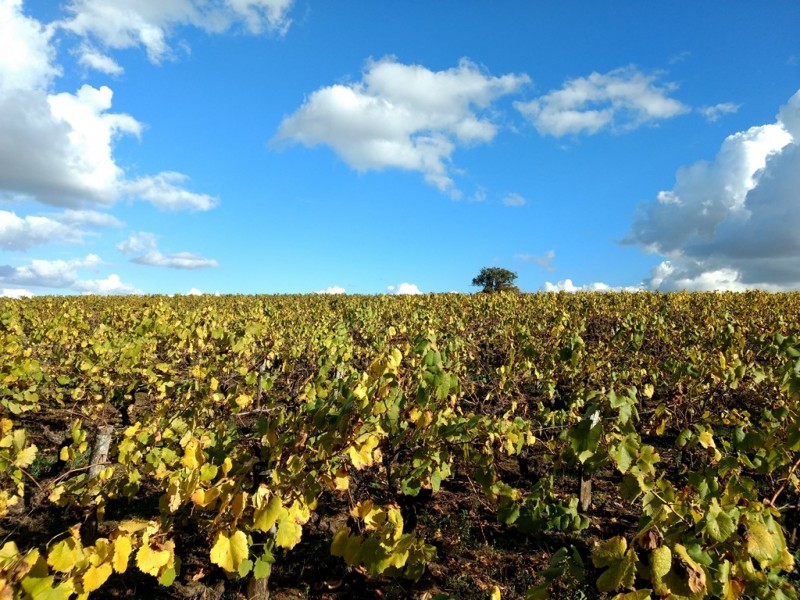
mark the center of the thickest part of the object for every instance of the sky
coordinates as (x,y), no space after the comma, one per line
(300,146)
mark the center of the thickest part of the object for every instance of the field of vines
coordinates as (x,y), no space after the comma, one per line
(630,446)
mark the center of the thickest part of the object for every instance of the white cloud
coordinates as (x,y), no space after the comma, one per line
(334,289)
(110,286)
(566,285)
(731,223)
(138,242)
(15,293)
(56,147)
(179,260)
(163,191)
(194,292)
(402,116)
(514,200)
(26,56)
(146,246)
(259,15)
(715,112)
(89,218)
(92,58)
(619,100)
(545,261)
(665,276)
(18,233)
(47,273)
(404,288)
(60,275)
(117,24)
(71,226)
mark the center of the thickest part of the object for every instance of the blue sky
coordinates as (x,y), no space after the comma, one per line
(294,146)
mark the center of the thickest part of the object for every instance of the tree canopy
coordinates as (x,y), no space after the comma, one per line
(496,279)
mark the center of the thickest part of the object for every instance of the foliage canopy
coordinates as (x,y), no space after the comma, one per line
(496,279)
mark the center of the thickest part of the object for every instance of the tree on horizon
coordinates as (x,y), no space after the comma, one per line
(496,279)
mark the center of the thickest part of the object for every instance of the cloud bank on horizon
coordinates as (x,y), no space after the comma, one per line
(79,216)
(731,223)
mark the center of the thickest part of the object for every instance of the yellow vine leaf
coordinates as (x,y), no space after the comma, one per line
(760,543)
(496,593)
(9,554)
(96,576)
(299,512)
(37,581)
(41,588)
(289,530)
(360,391)
(363,456)
(395,517)
(205,498)
(706,439)
(426,418)
(373,517)
(65,555)
(229,552)
(122,553)
(192,455)
(243,400)
(26,457)
(341,481)
(135,525)
(346,546)
(238,505)
(266,516)
(151,560)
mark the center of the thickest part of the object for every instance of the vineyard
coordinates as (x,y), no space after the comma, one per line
(626,446)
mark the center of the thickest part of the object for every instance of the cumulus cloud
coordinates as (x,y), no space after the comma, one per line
(514,200)
(620,100)
(404,288)
(334,289)
(72,226)
(138,243)
(117,24)
(57,147)
(47,273)
(731,223)
(566,285)
(402,116)
(145,245)
(26,55)
(714,112)
(110,286)
(194,292)
(18,233)
(545,261)
(165,192)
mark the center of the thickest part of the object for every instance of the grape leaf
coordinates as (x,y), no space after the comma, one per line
(229,552)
